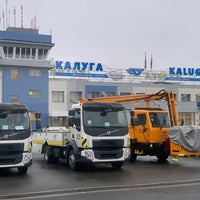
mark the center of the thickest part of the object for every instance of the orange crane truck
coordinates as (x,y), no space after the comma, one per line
(149,125)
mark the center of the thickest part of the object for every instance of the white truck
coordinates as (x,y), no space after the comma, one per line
(98,133)
(15,137)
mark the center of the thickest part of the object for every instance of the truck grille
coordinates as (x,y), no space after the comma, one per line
(108,143)
(11,153)
(108,149)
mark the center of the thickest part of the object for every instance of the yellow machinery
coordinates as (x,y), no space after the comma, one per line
(148,128)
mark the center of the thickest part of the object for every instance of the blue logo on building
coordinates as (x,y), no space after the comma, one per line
(135,71)
(183,74)
(80,69)
(79,66)
(184,71)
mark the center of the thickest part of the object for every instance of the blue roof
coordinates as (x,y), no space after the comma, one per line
(25,37)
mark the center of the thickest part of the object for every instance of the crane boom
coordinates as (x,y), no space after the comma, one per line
(127,98)
(147,98)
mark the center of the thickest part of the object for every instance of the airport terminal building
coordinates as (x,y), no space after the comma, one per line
(50,87)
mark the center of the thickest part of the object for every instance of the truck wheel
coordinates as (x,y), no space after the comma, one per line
(72,164)
(49,158)
(162,156)
(117,165)
(133,156)
(22,170)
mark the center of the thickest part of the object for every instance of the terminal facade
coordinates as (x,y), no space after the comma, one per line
(30,77)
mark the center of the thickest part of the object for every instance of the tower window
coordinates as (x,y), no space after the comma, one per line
(34,93)
(14,74)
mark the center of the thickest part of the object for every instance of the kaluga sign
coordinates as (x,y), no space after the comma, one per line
(183,74)
(184,71)
(79,66)
(80,69)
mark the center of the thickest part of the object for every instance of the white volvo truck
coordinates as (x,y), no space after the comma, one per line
(97,133)
(15,137)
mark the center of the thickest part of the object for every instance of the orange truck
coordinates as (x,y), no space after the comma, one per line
(149,126)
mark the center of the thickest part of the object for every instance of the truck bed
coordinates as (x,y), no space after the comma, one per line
(184,141)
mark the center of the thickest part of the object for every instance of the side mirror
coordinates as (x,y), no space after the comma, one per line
(38,124)
(71,112)
(71,121)
(132,113)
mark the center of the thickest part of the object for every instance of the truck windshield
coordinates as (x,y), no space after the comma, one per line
(159,119)
(14,120)
(104,118)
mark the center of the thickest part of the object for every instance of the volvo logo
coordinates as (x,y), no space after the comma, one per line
(5,136)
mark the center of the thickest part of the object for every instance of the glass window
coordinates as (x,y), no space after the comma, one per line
(10,52)
(40,54)
(14,120)
(28,53)
(45,53)
(188,118)
(197,97)
(5,49)
(34,93)
(124,93)
(14,74)
(142,119)
(23,52)
(159,119)
(35,72)
(57,121)
(93,94)
(33,54)
(17,52)
(185,97)
(77,119)
(57,96)
(75,96)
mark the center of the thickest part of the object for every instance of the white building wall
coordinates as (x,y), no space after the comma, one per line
(191,91)
(57,85)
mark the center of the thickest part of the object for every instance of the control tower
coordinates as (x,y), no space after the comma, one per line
(24,68)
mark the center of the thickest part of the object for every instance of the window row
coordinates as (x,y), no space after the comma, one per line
(31,94)
(188,97)
(58,96)
(25,53)
(32,72)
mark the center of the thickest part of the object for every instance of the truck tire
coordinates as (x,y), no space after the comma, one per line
(133,156)
(22,170)
(72,164)
(162,156)
(48,157)
(117,165)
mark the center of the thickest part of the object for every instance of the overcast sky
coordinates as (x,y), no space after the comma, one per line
(116,33)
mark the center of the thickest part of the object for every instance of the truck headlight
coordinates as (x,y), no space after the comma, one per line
(126,153)
(27,158)
(88,154)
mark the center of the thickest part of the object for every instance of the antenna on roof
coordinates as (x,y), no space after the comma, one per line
(22,17)
(14,13)
(3,15)
(6,13)
(33,24)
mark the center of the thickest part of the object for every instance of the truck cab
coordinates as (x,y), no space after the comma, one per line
(15,137)
(149,136)
(99,133)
